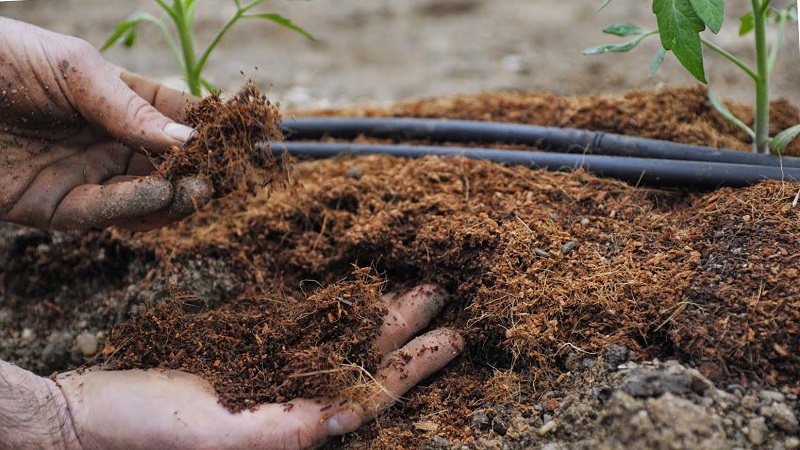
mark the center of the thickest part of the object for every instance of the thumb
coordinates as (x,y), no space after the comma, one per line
(111,104)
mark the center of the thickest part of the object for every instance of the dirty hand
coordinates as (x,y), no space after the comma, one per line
(156,409)
(74,130)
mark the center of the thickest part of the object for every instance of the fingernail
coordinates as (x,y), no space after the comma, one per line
(178,132)
(344,422)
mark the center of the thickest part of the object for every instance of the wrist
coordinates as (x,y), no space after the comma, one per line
(34,412)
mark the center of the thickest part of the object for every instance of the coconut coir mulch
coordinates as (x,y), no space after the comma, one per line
(542,266)
(223,148)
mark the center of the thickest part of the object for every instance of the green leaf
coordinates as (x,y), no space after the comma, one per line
(280,20)
(617,48)
(784,138)
(746,23)
(605,3)
(712,12)
(716,102)
(623,29)
(656,62)
(126,30)
(680,27)
(130,38)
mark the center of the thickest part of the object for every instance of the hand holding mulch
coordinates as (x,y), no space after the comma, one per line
(172,409)
(222,148)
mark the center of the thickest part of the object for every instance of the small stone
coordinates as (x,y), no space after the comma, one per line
(757,430)
(750,402)
(781,416)
(615,356)
(772,396)
(27,335)
(547,427)
(354,172)
(585,221)
(568,247)
(540,252)
(86,343)
(791,443)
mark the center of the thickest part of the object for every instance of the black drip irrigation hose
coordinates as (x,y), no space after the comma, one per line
(636,160)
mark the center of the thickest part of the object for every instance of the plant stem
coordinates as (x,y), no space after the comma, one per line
(185,35)
(240,10)
(761,128)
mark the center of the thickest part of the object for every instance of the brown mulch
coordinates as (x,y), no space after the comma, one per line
(543,267)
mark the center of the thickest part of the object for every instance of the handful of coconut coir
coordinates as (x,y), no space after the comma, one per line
(223,148)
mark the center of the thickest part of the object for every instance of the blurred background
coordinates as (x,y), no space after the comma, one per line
(379,51)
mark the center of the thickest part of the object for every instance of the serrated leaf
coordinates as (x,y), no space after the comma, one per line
(656,62)
(784,138)
(605,3)
(717,103)
(623,29)
(712,12)
(680,27)
(282,21)
(746,23)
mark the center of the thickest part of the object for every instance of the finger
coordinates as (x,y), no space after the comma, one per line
(400,371)
(43,194)
(103,98)
(407,314)
(99,206)
(170,102)
(191,194)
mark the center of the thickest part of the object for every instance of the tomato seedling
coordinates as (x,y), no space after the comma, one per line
(680,24)
(181,39)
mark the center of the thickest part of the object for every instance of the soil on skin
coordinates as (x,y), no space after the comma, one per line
(559,279)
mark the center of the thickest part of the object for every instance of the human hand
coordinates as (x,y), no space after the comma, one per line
(74,130)
(169,409)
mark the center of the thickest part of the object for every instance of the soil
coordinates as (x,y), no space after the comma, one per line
(597,314)
(570,289)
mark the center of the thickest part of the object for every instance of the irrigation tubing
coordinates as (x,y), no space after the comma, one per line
(567,140)
(636,160)
(638,171)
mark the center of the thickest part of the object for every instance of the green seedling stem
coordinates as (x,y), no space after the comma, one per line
(680,23)
(181,37)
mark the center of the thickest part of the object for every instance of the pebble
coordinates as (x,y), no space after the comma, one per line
(772,396)
(541,252)
(547,427)
(781,416)
(354,172)
(750,402)
(27,335)
(792,443)
(615,356)
(86,343)
(585,221)
(568,247)
(757,430)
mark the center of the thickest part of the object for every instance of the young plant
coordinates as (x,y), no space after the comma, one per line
(181,39)
(680,23)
